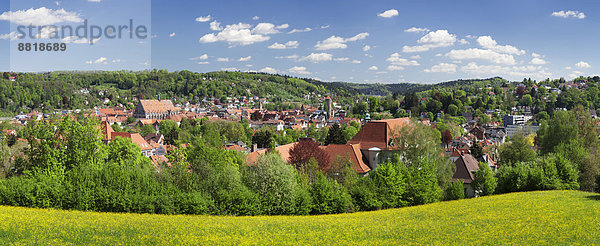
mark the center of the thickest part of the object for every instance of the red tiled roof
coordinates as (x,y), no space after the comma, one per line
(284,150)
(350,151)
(378,133)
(156,106)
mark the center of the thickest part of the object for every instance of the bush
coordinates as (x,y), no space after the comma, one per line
(484,183)
(328,196)
(454,191)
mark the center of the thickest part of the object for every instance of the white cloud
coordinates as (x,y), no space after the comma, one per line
(533,54)
(442,68)
(416,29)
(463,41)
(569,14)
(172,35)
(491,44)
(282,26)
(300,30)
(582,64)
(235,34)
(202,57)
(268,70)
(373,68)
(116,61)
(230,69)
(11,36)
(480,54)
(77,40)
(537,72)
(255,17)
(355,61)
(568,68)
(264,28)
(324,26)
(222,59)
(341,59)
(575,74)
(95,1)
(216,26)
(99,60)
(388,13)
(395,59)
(204,18)
(203,62)
(537,61)
(318,57)
(335,42)
(40,17)
(394,68)
(298,70)
(293,57)
(287,45)
(415,57)
(439,38)
(247,58)
(366,48)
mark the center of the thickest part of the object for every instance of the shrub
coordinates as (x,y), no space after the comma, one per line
(484,183)
(454,191)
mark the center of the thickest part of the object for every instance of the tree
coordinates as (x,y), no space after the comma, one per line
(447,137)
(452,110)
(476,150)
(263,138)
(275,182)
(517,150)
(328,196)
(562,128)
(349,132)
(335,135)
(306,149)
(484,182)
(419,142)
(454,191)
(147,129)
(526,100)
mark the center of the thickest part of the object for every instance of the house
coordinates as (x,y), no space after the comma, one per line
(154,109)
(478,132)
(466,166)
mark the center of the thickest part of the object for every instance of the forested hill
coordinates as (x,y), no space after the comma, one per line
(403,88)
(79,90)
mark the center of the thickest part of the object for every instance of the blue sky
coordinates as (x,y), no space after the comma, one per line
(355,41)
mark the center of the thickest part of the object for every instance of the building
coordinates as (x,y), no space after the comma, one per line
(516,119)
(154,109)
(466,167)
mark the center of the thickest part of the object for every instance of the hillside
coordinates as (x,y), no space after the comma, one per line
(538,218)
(80,90)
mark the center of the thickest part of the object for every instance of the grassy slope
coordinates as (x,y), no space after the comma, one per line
(549,217)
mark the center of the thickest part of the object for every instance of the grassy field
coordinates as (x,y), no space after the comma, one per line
(533,218)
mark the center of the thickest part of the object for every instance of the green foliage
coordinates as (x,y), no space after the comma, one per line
(335,135)
(517,150)
(385,187)
(328,196)
(563,127)
(545,173)
(275,182)
(454,191)
(484,182)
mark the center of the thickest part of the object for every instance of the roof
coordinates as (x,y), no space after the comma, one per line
(106,130)
(466,165)
(157,106)
(351,151)
(378,133)
(136,138)
(284,151)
